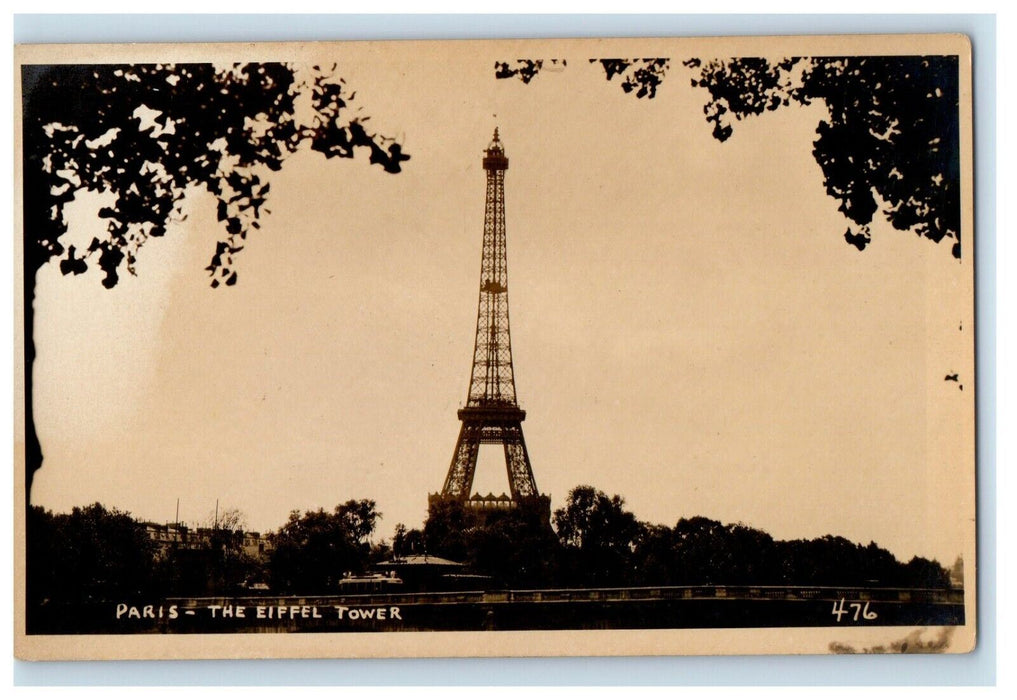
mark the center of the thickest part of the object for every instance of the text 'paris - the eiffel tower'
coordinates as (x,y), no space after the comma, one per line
(492,414)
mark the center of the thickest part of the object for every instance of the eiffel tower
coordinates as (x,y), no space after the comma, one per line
(492,414)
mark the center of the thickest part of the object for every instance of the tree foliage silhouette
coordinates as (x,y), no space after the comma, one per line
(148,135)
(92,554)
(890,141)
(516,547)
(699,551)
(313,550)
(598,536)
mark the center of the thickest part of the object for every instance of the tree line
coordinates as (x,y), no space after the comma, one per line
(95,554)
(596,541)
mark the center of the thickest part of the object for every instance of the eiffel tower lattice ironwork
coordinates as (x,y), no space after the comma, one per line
(492,414)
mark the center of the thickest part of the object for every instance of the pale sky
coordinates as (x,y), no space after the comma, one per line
(690,329)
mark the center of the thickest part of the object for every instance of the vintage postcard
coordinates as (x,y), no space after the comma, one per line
(269,401)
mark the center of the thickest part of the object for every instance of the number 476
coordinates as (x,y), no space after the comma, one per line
(840,610)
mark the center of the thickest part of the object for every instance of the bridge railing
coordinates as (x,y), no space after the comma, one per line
(619,594)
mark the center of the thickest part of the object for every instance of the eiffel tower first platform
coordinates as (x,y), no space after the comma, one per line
(492,414)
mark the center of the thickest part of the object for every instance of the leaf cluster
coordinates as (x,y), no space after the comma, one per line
(890,141)
(146,134)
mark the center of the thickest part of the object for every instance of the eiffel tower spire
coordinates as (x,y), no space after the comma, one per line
(492,414)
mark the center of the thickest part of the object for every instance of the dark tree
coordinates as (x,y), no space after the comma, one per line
(516,547)
(380,551)
(890,141)
(880,568)
(358,518)
(406,542)
(925,573)
(655,562)
(525,69)
(891,131)
(150,134)
(708,552)
(598,536)
(89,555)
(312,551)
(448,522)
(825,561)
(639,75)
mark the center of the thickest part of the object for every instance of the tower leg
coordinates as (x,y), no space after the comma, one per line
(459,481)
(517,463)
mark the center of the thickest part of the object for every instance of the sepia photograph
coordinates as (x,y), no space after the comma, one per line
(495,348)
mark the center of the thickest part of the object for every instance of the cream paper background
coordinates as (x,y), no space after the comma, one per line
(690,331)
